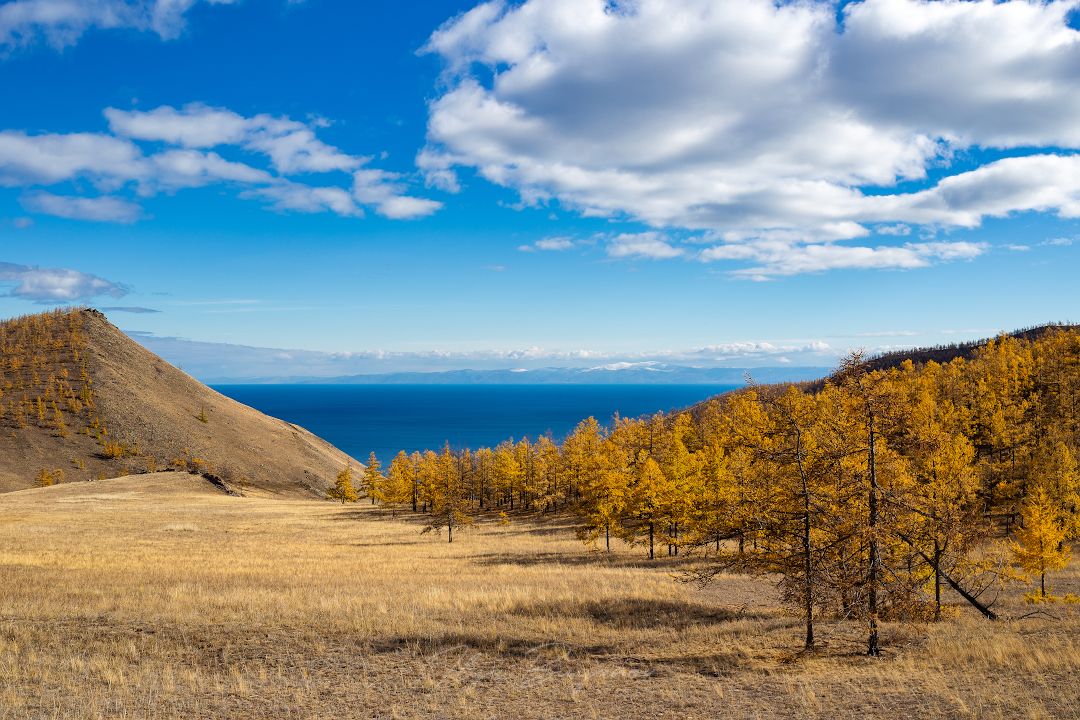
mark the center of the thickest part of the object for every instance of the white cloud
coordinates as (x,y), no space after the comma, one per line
(778,258)
(766,123)
(62,22)
(404,207)
(291,145)
(549,244)
(99,209)
(55,285)
(291,196)
(196,126)
(384,191)
(1058,242)
(899,229)
(52,158)
(651,245)
(165,150)
(191,168)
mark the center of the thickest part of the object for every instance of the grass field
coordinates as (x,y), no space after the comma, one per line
(157,596)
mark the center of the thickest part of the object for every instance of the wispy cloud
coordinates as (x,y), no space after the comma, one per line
(134,309)
(98,209)
(549,244)
(63,22)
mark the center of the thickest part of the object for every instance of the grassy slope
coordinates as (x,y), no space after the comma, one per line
(158,596)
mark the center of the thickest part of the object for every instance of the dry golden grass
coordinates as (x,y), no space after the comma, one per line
(156,596)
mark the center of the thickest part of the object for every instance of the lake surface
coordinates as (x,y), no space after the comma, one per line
(387,418)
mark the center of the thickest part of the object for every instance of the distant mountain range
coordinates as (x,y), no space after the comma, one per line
(623,373)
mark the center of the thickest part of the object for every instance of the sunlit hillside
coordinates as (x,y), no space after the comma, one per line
(80,400)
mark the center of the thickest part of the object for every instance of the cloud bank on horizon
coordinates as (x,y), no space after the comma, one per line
(224,361)
(784,136)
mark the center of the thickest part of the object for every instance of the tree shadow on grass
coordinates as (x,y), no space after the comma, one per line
(392,543)
(375,514)
(631,613)
(587,558)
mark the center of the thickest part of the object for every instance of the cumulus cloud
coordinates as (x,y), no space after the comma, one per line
(169,149)
(779,128)
(55,285)
(63,22)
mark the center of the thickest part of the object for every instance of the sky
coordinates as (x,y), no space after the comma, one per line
(379,186)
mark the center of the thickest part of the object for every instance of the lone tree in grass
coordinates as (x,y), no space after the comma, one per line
(1040,545)
(45,478)
(343,489)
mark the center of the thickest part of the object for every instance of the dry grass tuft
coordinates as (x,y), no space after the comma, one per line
(157,596)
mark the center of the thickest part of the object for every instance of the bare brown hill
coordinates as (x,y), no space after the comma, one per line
(79,400)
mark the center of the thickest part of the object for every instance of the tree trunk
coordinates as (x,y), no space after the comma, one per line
(808,581)
(872,649)
(607,536)
(937,581)
(808,566)
(651,555)
(971,599)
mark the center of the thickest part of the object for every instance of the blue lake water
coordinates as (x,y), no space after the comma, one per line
(387,418)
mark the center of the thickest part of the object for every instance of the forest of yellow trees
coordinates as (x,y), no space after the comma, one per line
(43,374)
(867,495)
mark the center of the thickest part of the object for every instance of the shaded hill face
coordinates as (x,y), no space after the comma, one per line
(79,400)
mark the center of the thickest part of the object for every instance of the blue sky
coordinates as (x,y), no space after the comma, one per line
(541,183)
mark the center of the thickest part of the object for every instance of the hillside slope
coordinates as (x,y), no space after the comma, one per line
(919,356)
(82,401)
